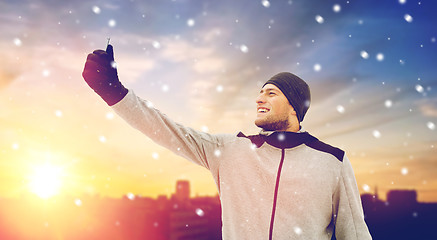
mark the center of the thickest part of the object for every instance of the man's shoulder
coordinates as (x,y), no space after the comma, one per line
(318,145)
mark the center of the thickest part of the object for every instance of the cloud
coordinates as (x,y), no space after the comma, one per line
(429,109)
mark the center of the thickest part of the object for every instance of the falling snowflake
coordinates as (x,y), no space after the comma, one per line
(319,19)
(340,109)
(156,45)
(408,18)
(109,115)
(102,139)
(165,88)
(155,155)
(219,88)
(297,230)
(404,171)
(200,212)
(336,8)
(46,73)
(419,88)
(265,3)
(149,104)
(364,54)
(217,153)
(380,57)
(402,1)
(17,42)
(15,146)
(376,134)
(317,67)
(281,137)
(366,187)
(244,48)
(58,113)
(96,9)
(114,64)
(191,22)
(430,125)
(112,23)
(78,202)
(204,128)
(388,103)
(130,196)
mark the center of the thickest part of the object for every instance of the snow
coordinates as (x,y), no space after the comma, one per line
(364,54)
(156,45)
(204,129)
(191,22)
(388,103)
(155,155)
(404,171)
(130,196)
(297,230)
(340,109)
(78,202)
(376,134)
(219,88)
(336,8)
(380,57)
(244,48)
(165,88)
(366,187)
(319,19)
(17,42)
(430,125)
(46,73)
(419,88)
(96,9)
(402,1)
(317,67)
(200,212)
(102,139)
(112,23)
(265,3)
(15,146)
(109,115)
(58,113)
(408,18)
(217,153)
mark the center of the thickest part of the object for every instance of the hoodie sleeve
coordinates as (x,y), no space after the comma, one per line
(193,145)
(348,211)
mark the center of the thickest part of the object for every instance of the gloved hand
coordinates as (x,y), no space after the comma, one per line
(100,73)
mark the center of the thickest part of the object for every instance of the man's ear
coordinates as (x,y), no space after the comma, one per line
(292,111)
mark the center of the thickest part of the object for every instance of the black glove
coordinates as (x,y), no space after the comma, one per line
(100,73)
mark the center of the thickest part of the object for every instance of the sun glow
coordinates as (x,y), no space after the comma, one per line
(45,181)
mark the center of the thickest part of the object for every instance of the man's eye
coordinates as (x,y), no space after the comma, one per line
(272,93)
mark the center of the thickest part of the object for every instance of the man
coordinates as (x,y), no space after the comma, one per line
(280,184)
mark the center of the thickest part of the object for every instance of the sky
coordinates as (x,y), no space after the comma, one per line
(371,67)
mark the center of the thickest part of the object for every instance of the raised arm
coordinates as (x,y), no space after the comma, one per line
(199,147)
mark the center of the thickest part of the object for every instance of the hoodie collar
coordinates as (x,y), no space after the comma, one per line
(281,139)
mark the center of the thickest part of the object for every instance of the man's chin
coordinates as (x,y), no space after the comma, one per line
(275,126)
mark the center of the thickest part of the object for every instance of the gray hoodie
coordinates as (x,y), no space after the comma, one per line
(279,185)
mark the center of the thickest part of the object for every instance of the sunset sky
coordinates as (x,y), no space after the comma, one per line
(371,66)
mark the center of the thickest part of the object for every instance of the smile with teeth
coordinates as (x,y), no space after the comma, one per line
(263,110)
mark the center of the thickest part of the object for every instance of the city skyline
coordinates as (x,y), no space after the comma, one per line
(182,217)
(369,64)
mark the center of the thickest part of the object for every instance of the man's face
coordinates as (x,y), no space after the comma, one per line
(274,112)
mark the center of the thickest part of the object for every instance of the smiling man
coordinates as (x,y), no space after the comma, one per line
(282,183)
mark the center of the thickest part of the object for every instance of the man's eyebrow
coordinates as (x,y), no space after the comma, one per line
(267,90)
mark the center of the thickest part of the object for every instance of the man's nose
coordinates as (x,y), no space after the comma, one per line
(260,99)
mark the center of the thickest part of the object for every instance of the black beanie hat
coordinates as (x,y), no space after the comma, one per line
(295,90)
